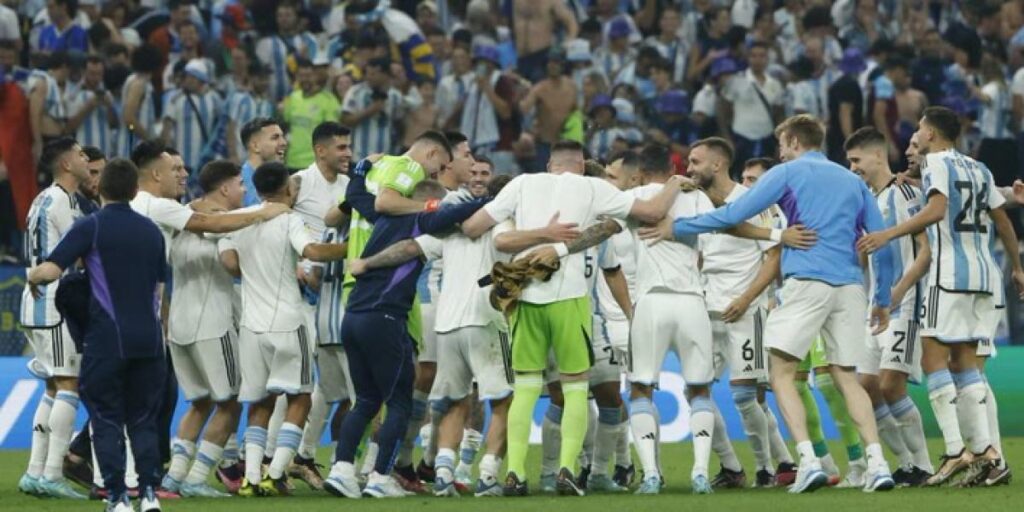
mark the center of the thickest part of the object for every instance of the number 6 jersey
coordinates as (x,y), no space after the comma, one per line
(961,242)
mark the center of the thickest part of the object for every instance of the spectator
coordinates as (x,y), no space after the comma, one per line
(49,113)
(927,71)
(554,98)
(422,118)
(845,104)
(995,119)
(190,119)
(626,120)
(166,37)
(583,64)
(672,127)
(788,19)
(866,27)
(189,48)
(750,106)
(92,109)
(670,45)
(281,51)
(888,91)
(304,109)
(372,108)
(602,131)
(823,74)
(251,101)
(63,33)
(535,23)
(617,53)
(453,88)
(817,23)
(138,110)
(712,45)
(638,73)
(487,116)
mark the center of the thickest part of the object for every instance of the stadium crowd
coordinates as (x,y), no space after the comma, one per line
(260,106)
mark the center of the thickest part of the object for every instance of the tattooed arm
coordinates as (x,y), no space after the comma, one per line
(392,256)
(588,238)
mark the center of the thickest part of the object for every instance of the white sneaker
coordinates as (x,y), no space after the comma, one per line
(808,479)
(383,486)
(855,474)
(148,502)
(342,481)
(122,505)
(464,474)
(879,480)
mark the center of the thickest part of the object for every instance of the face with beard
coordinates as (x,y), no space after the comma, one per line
(703,165)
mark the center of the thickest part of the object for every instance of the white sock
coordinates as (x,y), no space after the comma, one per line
(276,420)
(490,465)
(702,424)
(287,444)
(416,419)
(876,461)
(889,431)
(182,451)
(992,408)
(231,454)
(777,445)
(131,476)
(755,424)
(807,457)
(370,458)
(587,453)
(471,441)
(828,464)
(316,421)
(62,426)
(970,395)
(207,457)
(445,460)
(644,425)
(255,447)
(623,456)
(551,440)
(40,437)
(909,418)
(942,395)
(720,442)
(609,429)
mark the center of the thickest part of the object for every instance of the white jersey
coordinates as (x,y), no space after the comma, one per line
(462,302)
(731,263)
(50,217)
(428,287)
(670,266)
(620,247)
(268,253)
(204,291)
(532,199)
(898,203)
(168,215)
(598,260)
(961,242)
(317,196)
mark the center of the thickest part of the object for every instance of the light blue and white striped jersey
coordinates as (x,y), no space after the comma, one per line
(94,130)
(898,203)
(373,134)
(677,53)
(961,242)
(55,105)
(274,51)
(191,123)
(146,117)
(243,107)
(595,261)
(50,217)
(611,63)
(995,118)
(600,143)
(330,309)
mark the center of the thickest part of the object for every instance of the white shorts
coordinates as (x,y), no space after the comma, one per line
(474,353)
(55,353)
(611,344)
(428,352)
(670,321)
(740,346)
(208,368)
(899,349)
(275,362)
(334,379)
(810,307)
(957,317)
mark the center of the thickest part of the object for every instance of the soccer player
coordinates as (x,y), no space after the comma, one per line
(203,339)
(481,175)
(377,336)
(822,290)
(961,200)
(276,352)
(56,360)
(895,355)
(265,142)
(555,315)
(736,273)
(318,189)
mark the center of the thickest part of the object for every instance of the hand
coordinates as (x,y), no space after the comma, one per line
(1018,191)
(879,320)
(1018,282)
(557,232)
(735,310)
(657,233)
(36,292)
(357,267)
(680,182)
(902,178)
(376,106)
(799,237)
(271,210)
(872,242)
(687,184)
(546,256)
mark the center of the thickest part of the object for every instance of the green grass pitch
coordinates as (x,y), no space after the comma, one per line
(676,459)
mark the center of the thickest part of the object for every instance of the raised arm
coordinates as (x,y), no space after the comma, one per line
(768,191)
(652,210)
(227,222)
(360,199)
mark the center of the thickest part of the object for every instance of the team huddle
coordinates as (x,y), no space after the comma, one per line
(409,293)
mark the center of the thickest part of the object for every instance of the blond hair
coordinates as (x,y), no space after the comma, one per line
(808,130)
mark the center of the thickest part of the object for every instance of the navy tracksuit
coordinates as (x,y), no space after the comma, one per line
(377,341)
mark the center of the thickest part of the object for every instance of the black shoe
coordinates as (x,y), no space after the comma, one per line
(581,481)
(78,471)
(515,487)
(729,479)
(918,477)
(764,478)
(998,476)
(624,475)
(565,484)
(281,486)
(425,472)
(785,474)
(902,476)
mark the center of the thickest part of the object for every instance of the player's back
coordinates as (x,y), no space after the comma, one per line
(203,290)
(462,301)
(670,266)
(267,255)
(50,216)
(961,242)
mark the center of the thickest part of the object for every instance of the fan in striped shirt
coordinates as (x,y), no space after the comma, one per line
(190,116)
(93,109)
